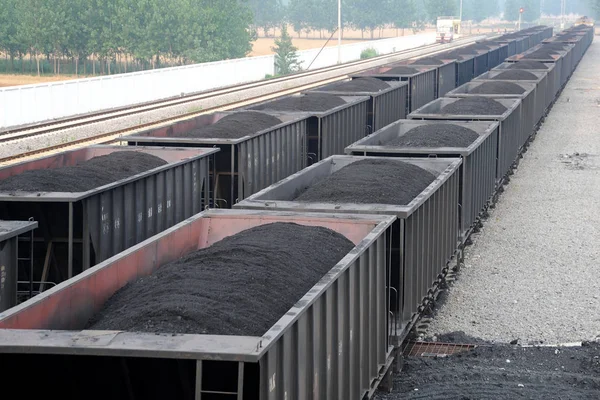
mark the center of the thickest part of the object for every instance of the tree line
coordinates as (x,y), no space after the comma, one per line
(307,16)
(113,36)
(126,35)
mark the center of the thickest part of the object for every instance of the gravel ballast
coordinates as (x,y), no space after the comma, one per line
(366,84)
(532,273)
(475,105)
(516,75)
(528,65)
(502,372)
(87,175)
(241,285)
(498,88)
(234,126)
(315,102)
(435,135)
(370,182)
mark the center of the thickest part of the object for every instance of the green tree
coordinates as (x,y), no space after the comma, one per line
(402,13)
(531,10)
(476,10)
(439,8)
(267,13)
(286,56)
(367,14)
(595,6)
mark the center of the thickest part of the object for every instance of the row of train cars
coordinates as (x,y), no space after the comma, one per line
(64,254)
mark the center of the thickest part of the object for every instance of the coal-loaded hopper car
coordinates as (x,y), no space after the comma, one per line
(256,148)
(423,195)
(477,108)
(388,99)
(552,80)
(445,76)
(334,121)
(421,81)
(225,305)
(533,99)
(16,261)
(94,202)
(475,142)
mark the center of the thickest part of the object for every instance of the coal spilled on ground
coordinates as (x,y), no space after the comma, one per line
(364,84)
(428,61)
(234,126)
(315,102)
(498,88)
(435,135)
(240,285)
(402,70)
(528,65)
(475,105)
(370,182)
(87,175)
(516,75)
(502,372)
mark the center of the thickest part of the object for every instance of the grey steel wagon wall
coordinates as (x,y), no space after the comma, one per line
(465,70)
(9,259)
(477,176)
(258,160)
(8,272)
(422,89)
(339,344)
(445,76)
(331,345)
(268,158)
(389,107)
(129,214)
(429,236)
(342,128)
(116,218)
(385,107)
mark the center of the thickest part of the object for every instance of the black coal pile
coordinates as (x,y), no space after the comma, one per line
(502,372)
(370,182)
(457,55)
(498,88)
(234,126)
(402,70)
(366,84)
(516,75)
(541,55)
(475,105)
(428,61)
(87,175)
(240,285)
(436,135)
(528,65)
(315,102)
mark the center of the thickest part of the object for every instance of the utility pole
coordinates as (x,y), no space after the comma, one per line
(460,18)
(563,7)
(521,10)
(339,31)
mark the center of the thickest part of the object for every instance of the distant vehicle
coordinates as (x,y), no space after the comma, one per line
(585,20)
(447,28)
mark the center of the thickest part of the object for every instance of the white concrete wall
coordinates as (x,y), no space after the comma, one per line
(21,105)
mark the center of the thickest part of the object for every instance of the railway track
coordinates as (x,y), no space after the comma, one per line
(221,99)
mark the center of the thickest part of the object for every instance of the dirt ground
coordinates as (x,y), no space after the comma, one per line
(262,46)
(14,80)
